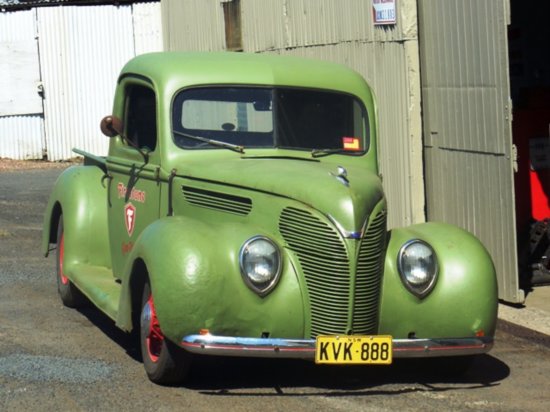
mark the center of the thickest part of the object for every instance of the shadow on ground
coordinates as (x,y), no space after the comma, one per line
(234,376)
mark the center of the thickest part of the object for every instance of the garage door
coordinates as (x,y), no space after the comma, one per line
(467,125)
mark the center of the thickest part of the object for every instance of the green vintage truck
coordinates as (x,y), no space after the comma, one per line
(240,212)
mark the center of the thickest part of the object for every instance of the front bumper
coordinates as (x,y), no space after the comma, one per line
(305,348)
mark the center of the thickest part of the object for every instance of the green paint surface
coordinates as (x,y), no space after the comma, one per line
(220,198)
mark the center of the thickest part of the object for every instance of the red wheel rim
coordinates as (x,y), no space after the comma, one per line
(64,279)
(154,337)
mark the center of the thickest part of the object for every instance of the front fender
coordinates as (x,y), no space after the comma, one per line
(80,194)
(193,268)
(464,300)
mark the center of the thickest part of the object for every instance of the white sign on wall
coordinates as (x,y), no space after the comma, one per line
(383,12)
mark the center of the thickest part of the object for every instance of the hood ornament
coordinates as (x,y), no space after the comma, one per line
(341,176)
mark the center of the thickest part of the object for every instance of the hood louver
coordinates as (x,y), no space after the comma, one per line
(217,201)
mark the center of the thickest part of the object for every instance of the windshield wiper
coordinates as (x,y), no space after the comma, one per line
(234,147)
(328,152)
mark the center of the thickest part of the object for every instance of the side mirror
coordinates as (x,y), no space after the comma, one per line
(111,126)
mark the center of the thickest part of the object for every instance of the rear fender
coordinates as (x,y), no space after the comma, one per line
(80,195)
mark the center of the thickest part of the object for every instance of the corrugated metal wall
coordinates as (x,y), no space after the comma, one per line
(467,133)
(21,127)
(193,25)
(147,28)
(81,51)
(281,24)
(340,31)
(21,137)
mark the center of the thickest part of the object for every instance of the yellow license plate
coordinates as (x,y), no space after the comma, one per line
(354,350)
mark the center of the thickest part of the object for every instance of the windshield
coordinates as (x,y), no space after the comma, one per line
(288,118)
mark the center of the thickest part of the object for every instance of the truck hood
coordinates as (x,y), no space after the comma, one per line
(347,196)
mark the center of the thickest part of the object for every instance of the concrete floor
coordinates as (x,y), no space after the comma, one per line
(533,314)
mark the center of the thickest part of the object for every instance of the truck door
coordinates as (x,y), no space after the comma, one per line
(133,165)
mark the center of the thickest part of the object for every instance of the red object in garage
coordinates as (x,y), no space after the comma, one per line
(532,182)
(539,155)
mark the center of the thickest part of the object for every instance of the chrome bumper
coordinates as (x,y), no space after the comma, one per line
(305,348)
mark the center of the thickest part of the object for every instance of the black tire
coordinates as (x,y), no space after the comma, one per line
(70,295)
(164,362)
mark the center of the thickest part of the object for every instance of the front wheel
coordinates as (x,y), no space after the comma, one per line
(164,362)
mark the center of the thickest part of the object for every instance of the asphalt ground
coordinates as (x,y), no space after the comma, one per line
(53,358)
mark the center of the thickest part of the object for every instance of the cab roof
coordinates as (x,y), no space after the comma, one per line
(172,71)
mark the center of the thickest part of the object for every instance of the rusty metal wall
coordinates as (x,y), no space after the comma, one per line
(193,25)
(467,131)
(341,31)
(283,24)
(21,120)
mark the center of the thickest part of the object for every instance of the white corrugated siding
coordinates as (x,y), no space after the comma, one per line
(21,137)
(17,25)
(19,69)
(21,124)
(147,27)
(82,50)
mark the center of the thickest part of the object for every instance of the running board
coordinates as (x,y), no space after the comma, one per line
(99,285)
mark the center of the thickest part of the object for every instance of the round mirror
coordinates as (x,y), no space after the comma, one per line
(111,126)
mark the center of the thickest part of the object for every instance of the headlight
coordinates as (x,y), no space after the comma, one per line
(417,265)
(260,262)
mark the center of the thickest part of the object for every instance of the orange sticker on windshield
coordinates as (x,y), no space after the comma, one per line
(351,143)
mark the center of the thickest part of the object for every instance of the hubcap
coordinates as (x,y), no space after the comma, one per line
(150,324)
(64,279)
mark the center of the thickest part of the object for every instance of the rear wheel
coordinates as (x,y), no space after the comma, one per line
(70,295)
(164,362)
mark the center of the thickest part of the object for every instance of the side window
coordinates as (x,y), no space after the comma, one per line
(141,117)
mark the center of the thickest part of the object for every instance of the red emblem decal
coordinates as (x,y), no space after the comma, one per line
(130,218)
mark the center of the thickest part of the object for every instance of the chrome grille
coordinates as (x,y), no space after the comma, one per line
(326,268)
(218,201)
(369,276)
(325,264)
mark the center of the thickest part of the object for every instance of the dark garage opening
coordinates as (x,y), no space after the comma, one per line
(529,57)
